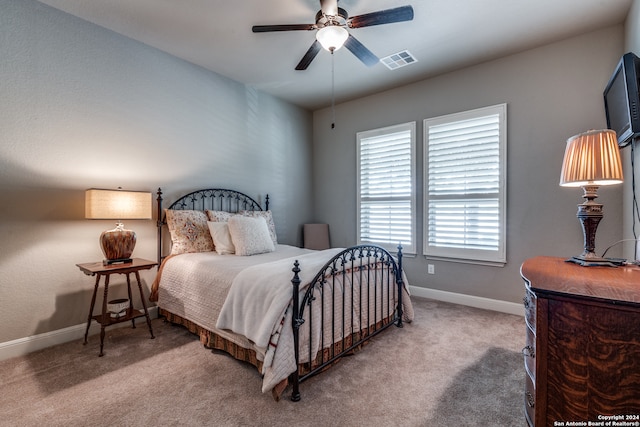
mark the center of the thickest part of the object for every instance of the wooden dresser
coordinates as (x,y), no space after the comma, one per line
(582,353)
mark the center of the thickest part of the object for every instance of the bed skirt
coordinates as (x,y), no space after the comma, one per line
(213,341)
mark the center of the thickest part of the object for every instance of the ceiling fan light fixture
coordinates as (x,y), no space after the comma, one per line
(332,37)
(333,24)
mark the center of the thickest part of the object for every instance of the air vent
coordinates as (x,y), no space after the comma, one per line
(398,60)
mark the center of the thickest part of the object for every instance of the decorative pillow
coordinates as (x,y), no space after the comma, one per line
(219,216)
(189,231)
(268,217)
(221,237)
(250,236)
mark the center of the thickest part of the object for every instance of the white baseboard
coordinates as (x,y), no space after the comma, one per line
(473,301)
(23,346)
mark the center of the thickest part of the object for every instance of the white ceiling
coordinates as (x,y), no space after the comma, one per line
(444,35)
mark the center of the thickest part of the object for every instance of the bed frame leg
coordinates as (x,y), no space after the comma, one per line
(294,377)
(400,284)
(159,226)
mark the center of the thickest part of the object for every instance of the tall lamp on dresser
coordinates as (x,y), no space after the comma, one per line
(591,159)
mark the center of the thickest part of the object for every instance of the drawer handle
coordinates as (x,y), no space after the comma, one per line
(526,301)
(530,399)
(528,351)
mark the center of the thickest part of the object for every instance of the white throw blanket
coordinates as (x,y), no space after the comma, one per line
(260,295)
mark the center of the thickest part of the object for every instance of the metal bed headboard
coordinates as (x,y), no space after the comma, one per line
(219,199)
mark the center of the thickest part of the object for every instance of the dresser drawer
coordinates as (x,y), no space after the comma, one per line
(529,402)
(529,353)
(530,303)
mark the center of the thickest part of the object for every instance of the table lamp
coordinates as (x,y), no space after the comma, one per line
(117,244)
(591,159)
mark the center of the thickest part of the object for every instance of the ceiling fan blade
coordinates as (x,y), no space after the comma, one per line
(398,14)
(292,27)
(359,50)
(308,57)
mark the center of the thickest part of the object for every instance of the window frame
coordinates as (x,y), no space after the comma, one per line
(467,255)
(402,127)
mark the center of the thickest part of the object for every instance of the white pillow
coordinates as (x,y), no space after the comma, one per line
(268,216)
(250,236)
(221,238)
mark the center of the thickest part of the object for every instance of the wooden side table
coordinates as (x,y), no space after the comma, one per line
(99,270)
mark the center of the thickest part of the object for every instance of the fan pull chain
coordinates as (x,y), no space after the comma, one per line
(333,95)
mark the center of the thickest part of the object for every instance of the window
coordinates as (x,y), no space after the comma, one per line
(386,176)
(465,188)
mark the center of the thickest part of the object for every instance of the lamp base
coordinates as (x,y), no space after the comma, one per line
(596,262)
(590,214)
(117,245)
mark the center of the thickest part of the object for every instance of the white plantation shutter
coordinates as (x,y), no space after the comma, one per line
(386,175)
(465,209)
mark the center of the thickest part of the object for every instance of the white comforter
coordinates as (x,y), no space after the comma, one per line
(259,295)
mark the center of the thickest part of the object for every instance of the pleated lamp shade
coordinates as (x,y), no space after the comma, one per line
(592,157)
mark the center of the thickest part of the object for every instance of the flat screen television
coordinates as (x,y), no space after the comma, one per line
(622,100)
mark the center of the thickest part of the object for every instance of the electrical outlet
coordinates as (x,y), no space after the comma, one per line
(431,269)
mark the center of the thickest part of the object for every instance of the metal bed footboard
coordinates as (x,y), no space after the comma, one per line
(376,281)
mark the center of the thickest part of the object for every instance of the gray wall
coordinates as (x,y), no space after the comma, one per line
(85,107)
(552,92)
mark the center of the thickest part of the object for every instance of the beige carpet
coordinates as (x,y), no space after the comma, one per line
(453,366)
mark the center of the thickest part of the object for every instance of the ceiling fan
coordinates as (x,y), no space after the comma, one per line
(331,25)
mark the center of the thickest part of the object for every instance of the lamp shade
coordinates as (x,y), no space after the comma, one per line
(592,158)
(117,204)
(332,37)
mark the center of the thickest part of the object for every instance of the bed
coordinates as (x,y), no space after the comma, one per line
(290,312)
